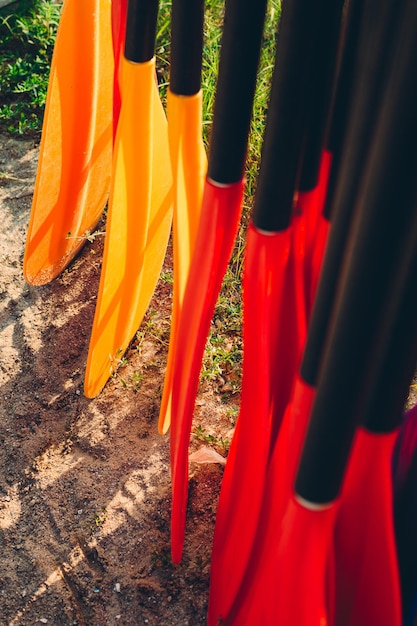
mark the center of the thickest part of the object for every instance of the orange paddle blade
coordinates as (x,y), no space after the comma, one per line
(138,223)
(74,170)
(189,166)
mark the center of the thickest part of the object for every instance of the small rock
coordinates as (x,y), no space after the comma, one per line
(117,587)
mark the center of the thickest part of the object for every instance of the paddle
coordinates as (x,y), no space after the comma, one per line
(358,23)
(140,209)
(220,213)
(74,169)
(262,571)
(368,559)
(307,526)
(188,159)
(383,239)
(316,161)
(273,288)
(365,548)
(358,98)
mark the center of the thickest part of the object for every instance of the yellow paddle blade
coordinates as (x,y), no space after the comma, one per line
(74,170)
(189,166)
(138,223)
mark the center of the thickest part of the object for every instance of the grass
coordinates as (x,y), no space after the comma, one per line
(27,32)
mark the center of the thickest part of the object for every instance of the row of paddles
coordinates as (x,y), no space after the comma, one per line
(304,531)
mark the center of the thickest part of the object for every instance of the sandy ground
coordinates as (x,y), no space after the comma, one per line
(84,484)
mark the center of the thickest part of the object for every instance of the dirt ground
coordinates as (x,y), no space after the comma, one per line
(84,484)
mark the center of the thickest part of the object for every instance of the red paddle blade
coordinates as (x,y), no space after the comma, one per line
(317,228)
(219,221)
(290,327)
(246,515)
(266,264)
(261,569)
(299,558)
(367,577)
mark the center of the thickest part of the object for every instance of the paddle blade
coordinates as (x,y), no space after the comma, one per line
(138,223)
(219,221)
(266,261)
(189,166)
(317,228)
(367,577)
(74,170)
(260,572)
(295,593)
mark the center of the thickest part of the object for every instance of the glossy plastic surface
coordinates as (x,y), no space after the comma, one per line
(138,223)
(367,576)
(278,482)
(301,557)
(219,221)
(74,169)
(266,265)
(189,166)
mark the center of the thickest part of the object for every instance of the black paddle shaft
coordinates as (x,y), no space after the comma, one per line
(284,131)
(382,235)
(322,73)
(187,19)
(396,356)
(370,28)
(368,48)
(142,16)
(238,66)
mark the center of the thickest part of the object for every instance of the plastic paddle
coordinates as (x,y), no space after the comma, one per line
(273,287)
(311,189)
(220,214)
(73,176)
(339,132)
(317,157)
(188,159)
(368,589)
(367,49)
(277,495)
(379,249)
(365,547)
(140,206)
(304,542)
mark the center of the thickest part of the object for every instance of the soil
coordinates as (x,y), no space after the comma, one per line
(85,484)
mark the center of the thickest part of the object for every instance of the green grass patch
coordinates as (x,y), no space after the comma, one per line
(27,35)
